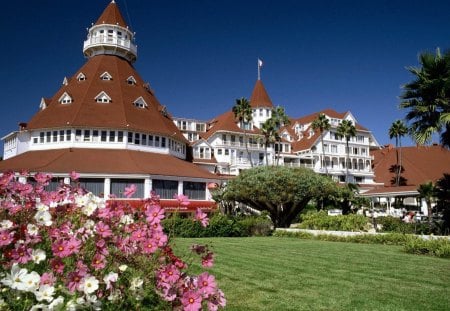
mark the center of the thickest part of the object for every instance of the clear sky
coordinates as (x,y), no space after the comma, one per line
(199,56)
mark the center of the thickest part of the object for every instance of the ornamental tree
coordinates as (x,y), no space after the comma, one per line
(281,191)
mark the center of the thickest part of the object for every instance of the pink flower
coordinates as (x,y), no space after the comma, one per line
(6,237)
(74,175)
(160,238)
(208,260)
(182,199)
(57,265)
(98,262)
(191,301)
(149,246)
(216,300)
(47,278)
(103,229)
(206,284)
(154,214)
(130,190)
(61,249)
(170,274)
(73,280)
(138,235)
(42,178)
(201,217)
(73,245)
(199,249)
(22,254)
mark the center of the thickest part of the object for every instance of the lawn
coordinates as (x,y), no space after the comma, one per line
(273,273)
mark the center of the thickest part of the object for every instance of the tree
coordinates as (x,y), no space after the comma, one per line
(443,203)
(281,191)
(243,113)
(346,130)
(427,98)
(398,129)
(427,191)
(322,124)
(270,133)
(280,119)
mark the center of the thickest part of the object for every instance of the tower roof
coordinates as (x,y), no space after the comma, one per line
(111,15)
(121,112)
(259,97)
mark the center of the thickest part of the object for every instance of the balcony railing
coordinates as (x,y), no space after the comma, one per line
(111,41)
(242,145)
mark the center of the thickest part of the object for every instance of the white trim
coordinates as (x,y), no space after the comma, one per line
(101,97)
(65,99)
(140,103)
(81,77)
(106,76)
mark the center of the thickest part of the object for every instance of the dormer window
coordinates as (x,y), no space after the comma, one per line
(65,99)
(140,103)
(105,76)
(81,77)
(43,104)
(65,82)
(102,98)
(131,80)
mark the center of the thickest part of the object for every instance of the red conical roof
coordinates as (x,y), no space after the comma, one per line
(120,113)
(260,98)
(111,15)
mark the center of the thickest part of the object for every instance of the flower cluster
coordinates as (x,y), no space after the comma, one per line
(68,249)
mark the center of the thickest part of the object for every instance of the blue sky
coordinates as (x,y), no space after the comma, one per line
(199,56)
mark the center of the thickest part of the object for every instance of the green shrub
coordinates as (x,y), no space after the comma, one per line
(322,221)
(435,247)
(393,224)
(255,225)
(220,225)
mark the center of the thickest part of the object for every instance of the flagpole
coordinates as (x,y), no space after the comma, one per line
(259,69)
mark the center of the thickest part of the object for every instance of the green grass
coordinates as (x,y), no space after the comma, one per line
(273,273)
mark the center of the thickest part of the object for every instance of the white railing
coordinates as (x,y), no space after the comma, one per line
(241,144)
(112,41)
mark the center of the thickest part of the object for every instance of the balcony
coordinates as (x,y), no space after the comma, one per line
(114,43)
(238,144)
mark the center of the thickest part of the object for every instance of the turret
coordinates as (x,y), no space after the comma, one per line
(110,35)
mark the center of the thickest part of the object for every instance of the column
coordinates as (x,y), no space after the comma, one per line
(147,187)
(107,188)
(180,187)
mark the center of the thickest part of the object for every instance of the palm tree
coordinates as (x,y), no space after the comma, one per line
(270,133)
(280,119)
(322,124)
(398,129)
(347,130)
(427,98)
(243,113)
(427,191)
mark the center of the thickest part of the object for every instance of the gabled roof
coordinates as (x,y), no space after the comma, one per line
(259,97)
(307,142)
(120,113)
(104,162)
(420,164)
(111,15)
(226,122)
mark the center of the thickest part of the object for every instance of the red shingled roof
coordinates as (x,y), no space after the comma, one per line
(103,161)
(420,164)
(225,122)
(120,113)
(307,142)
(111,15)
(259,97)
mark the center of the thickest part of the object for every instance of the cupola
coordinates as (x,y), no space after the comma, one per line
(110,35)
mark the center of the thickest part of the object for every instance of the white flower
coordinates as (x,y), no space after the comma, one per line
(115,295)
(81,200)
(45,292)
(126,219)
(123,268)
(31,281)
(32,229)
(14,279)
(89,224)
(136,284)
(89,285)
(41,207)
(39,307)
(43,218)
(38,255)
(56,304)
(71,305)
(6,224)
(109,278)
(89,208)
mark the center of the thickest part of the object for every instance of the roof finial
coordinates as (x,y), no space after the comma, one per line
(260,64)
(112,1)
